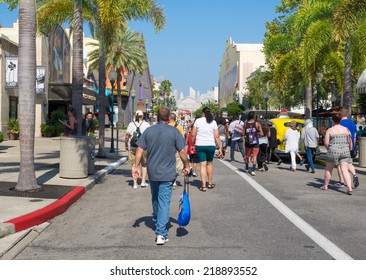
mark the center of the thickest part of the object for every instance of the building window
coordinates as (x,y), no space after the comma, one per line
(13,107)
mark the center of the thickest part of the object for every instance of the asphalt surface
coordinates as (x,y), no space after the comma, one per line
(236,220)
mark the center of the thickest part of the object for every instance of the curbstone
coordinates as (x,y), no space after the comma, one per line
(56,208)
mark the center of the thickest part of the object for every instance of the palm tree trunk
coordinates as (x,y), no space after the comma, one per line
(347,94)
(101,101)
(77,64)
(309,101)
(27,94)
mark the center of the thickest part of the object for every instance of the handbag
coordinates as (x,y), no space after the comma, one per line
(353,153)
(184,215)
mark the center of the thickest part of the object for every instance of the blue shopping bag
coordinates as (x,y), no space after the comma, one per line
(184,215)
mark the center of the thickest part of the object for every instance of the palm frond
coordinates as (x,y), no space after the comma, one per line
(347,18)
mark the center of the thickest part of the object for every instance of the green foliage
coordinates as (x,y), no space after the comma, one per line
(166,86)
(233,109)
(53,127)
(1,137)
(13,126)
(214,107)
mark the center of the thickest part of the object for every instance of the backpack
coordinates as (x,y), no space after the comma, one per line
(136,136)
(251,134)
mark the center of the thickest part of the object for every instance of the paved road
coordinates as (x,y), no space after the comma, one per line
(233,221)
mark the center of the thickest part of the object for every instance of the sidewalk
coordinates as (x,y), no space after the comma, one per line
(18,213)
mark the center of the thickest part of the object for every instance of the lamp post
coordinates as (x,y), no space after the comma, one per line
(319,79)
(146,104)
(112,76)
(133,94)
(266,97)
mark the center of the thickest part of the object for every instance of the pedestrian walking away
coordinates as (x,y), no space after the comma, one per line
(161,141)
(263,145)
(273,143)
(353,131)
(252,131)
(191,151)
(292,137)
(237,132)
(338,143)
(179,166)
(205,133)
(310,136)
(134,130)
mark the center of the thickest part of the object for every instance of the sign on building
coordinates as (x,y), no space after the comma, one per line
(11,72)
(40,79)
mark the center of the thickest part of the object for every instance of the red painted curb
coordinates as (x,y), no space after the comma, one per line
(50,211)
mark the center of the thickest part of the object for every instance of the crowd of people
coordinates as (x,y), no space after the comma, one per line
(170,146)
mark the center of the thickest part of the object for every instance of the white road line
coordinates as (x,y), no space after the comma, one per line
(306,228)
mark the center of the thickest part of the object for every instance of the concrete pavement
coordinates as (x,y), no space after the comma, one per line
(20,213)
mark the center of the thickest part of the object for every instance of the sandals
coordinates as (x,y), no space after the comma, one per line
(202,189)
(211,186)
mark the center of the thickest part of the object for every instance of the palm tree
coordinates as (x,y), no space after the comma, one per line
(103,16)
(126,53)
(27,105)
(350,30)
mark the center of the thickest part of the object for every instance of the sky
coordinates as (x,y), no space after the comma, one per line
(188,51)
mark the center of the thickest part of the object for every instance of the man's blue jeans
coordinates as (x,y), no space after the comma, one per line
(232,148)
(161,195)
(309,154)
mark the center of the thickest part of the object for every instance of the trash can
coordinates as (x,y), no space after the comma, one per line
(362,152)
(74,157)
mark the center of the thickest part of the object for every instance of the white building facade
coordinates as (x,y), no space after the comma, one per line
(238,62)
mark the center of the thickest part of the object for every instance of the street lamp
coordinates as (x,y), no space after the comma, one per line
(133,94)
(146,104)
(266,97)
(319,79)
(112,76)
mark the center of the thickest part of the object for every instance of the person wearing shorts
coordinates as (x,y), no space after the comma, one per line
(205,133)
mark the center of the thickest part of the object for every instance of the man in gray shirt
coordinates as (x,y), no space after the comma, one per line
(310,136)
(161,142)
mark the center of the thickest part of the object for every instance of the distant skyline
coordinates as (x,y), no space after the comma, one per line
(188,51)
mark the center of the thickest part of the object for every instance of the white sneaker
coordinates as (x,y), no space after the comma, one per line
(161,240)
(135,187)
(144,185)
(252,173)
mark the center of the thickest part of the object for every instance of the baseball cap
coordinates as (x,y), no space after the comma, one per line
(139,113)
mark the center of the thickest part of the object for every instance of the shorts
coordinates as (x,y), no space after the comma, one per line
(251,151)
(131,157)
(193,158)
(205,153)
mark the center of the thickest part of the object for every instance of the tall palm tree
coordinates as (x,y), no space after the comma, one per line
(350,30)
(126,53)
(103,16)
(27,104)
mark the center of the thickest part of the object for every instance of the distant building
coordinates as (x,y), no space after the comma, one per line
(238,62)
(188,105)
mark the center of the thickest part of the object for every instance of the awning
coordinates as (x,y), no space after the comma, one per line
(62,92)
(184,112)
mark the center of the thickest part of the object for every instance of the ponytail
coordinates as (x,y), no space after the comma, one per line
(208,114)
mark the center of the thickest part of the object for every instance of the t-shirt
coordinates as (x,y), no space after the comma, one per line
(161,141)
(205,132)
(351,127)
(177,126)
(236,135)
(132,127)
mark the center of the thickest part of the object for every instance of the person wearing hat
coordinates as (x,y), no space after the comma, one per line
(138,126)
(292,137)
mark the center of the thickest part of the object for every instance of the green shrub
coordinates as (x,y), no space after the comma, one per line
(1,137)
(53,127)
(13,126)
